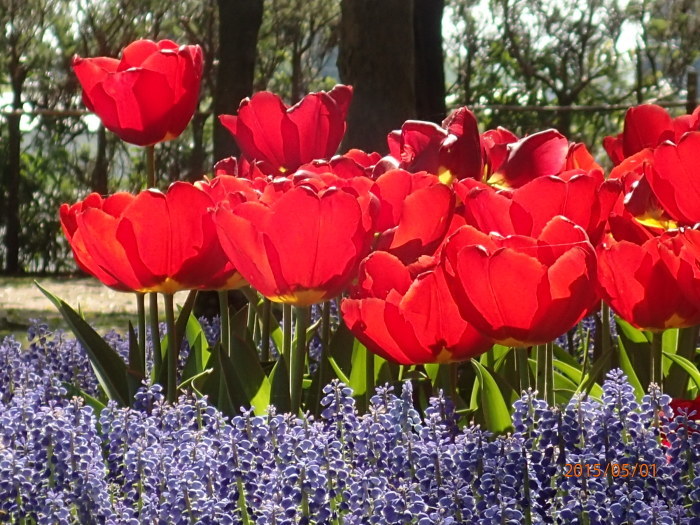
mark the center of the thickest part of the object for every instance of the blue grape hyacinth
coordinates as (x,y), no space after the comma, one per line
(184,463)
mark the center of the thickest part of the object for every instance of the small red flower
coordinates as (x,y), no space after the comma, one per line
(651,282)
(537,155)
(147,96)
(150,242)
(452,151)
(282,138)
(520,290)
(408,318)
(302,239)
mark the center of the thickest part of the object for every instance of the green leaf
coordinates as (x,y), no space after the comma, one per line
(338,371)
(279,386)
(628,369)
(89,400)
(358,372)
(247,374)
(565,356)
(583,382)
(341,350)
(686,365)
(110,369)
(631,333)
(494,408)
(136,361)
(200,352)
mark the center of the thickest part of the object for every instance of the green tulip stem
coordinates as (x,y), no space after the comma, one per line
(287,335)
(656,363)
(325,346)
(250,318)
(549,373)
(605,328)
(303,317)
(141,314)
(265,330)
(540,379)
(521,356)
(173,349)
(155,336)
(490,359)
(150,166)
(369,377)
(225,325)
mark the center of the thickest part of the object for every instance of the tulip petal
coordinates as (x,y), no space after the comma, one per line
(675,178)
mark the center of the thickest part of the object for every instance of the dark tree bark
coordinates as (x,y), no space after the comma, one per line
(196,161)
(430,73)
(13,174)
(239,23)
(99,178)
(376,57)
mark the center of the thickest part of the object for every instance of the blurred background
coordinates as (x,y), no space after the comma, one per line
(522,64)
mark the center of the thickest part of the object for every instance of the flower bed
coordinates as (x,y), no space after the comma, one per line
(60,462)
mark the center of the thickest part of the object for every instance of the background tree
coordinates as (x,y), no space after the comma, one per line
(239,23)
(429,77)
(669,43)
(298,40)
(25,56)
(376,57)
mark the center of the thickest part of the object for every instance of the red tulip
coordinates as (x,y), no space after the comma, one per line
(585,198)
(495,147)
(301,240)
(147,96)
(415,213)
(647,126)
(150,242)
(675,178)
(452,151)
(652,283)
(408,318)
(537,155)
(520,290)
(283,138)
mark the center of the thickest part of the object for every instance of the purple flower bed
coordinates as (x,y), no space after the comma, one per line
(60,462)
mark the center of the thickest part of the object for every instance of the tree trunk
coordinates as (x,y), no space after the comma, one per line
(198,155)
(13,177)
(430,72)
(376,57)
(99,172)
(297,88)
(239,22)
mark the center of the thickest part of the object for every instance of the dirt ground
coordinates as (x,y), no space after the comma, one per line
(21,300)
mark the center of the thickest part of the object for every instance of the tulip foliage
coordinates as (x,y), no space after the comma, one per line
(457,246)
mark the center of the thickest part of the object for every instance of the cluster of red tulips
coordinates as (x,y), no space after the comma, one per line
(453,241)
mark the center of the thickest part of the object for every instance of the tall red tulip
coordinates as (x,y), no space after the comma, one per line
(647,126)
(652,283)
(585,198)
(150,242)
(520,290)
(282,138)
(301,240)
(415,213)
(408,318)
(147,96)
(675,178)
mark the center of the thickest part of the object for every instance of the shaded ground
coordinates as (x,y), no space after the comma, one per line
(21,300)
